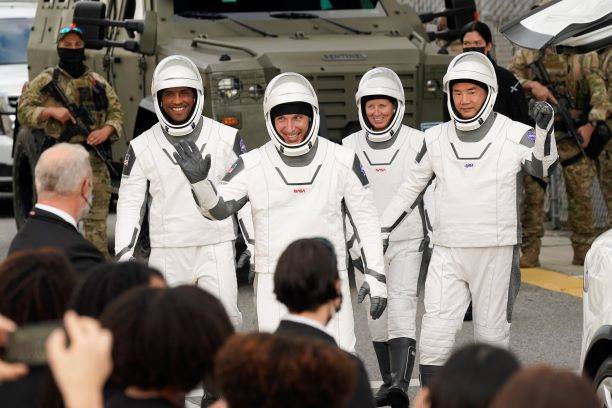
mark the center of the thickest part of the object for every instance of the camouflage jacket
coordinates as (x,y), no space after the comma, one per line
(606,69)
(78,90)
(579,75)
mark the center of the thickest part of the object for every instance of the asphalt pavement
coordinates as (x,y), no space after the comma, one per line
(546,326)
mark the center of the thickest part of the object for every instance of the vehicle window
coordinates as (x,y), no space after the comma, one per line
(14,34)
(250,6)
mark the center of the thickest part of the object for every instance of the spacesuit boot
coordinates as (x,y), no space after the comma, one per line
(428,373)
(381,349)
(402,352)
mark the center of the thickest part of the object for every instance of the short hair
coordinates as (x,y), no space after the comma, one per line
(481,28)
(35,285)
(546,387)
(62,168)
(472,376)
(273,371)
(165,337)
(306,275)
(106,282)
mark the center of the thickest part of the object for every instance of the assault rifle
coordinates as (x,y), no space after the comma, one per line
(563,100)
(84,122)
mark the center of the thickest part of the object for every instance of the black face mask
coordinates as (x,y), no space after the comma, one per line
(71,61)
(476,49)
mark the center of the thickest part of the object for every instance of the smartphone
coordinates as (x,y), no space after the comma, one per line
(27,343)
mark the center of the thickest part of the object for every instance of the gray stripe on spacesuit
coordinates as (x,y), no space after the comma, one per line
(470,158)
(547,142)
(422,152)
(534,167)
(143,210)
(299,184)
(359,171)
(381,163)
(414,204)
(245,233)
(379,277)
(515,283)
(519,205)
(224,209)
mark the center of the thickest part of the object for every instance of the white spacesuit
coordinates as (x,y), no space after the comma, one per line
(186,247)
(385,154)
(477,163)
(297,191)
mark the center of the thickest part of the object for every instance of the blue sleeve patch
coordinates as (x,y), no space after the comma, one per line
(531,135)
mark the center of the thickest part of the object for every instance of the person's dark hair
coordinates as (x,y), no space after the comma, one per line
(35,285)
(106,282)
(472,376)
(273,371)
(546,387)
(481,28)
(306,275)
(165,337)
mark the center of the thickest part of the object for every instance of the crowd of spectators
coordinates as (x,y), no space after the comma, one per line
(114,335)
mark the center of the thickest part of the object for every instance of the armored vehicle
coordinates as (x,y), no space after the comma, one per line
(239,46)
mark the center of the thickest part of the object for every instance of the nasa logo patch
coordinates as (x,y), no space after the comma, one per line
(362,170)
(243,148)
(531,135)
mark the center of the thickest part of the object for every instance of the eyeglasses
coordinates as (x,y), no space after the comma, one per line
(70,29)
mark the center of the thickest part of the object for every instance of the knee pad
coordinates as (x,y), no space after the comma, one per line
(497,335)
(437,339)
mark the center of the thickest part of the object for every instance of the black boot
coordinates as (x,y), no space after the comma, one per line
(382,355)
(428,372)
(402,351)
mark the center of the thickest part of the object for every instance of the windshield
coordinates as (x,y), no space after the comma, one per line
(14,34)
(250,6)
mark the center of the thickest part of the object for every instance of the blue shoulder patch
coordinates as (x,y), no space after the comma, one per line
(531,135)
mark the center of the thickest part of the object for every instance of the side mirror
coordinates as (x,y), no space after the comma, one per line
(91,10)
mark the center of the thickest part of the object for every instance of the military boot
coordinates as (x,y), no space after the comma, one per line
(402,352)
(382,355)
(427,374)
(530,257)
(580,252)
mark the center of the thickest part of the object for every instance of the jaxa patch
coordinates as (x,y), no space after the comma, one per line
(531,135)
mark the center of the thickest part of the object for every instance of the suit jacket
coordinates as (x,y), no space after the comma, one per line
(362,396)
(45,229)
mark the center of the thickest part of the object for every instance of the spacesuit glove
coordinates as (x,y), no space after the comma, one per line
(243,259)
(378,295)
(542,113)
(251,277)
(190,160)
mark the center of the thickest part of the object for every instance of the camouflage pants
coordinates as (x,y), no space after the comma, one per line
(579,178)
(604,174)
(94,225)
(532,215)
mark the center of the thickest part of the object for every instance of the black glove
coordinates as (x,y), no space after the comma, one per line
(542,113)
(189,158)
(377,304)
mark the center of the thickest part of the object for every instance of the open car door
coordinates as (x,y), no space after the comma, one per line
(573,26)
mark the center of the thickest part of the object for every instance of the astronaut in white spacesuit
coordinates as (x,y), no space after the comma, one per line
(385,147)
(297,185)
(477,159)
(185,246)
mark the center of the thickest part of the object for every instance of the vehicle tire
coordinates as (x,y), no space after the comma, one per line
(603,382)
(24,193)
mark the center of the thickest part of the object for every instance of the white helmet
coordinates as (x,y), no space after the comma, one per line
(381,81)
(287,88)
(473,66)
(173,72)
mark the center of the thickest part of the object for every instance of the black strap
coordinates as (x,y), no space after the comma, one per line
(572,160)
(56,74)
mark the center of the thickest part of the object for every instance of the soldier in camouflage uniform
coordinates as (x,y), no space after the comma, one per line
(39,109)
(604,170)
(581,77)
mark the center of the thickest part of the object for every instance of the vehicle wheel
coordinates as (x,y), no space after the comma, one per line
(603,381)
(24,195)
